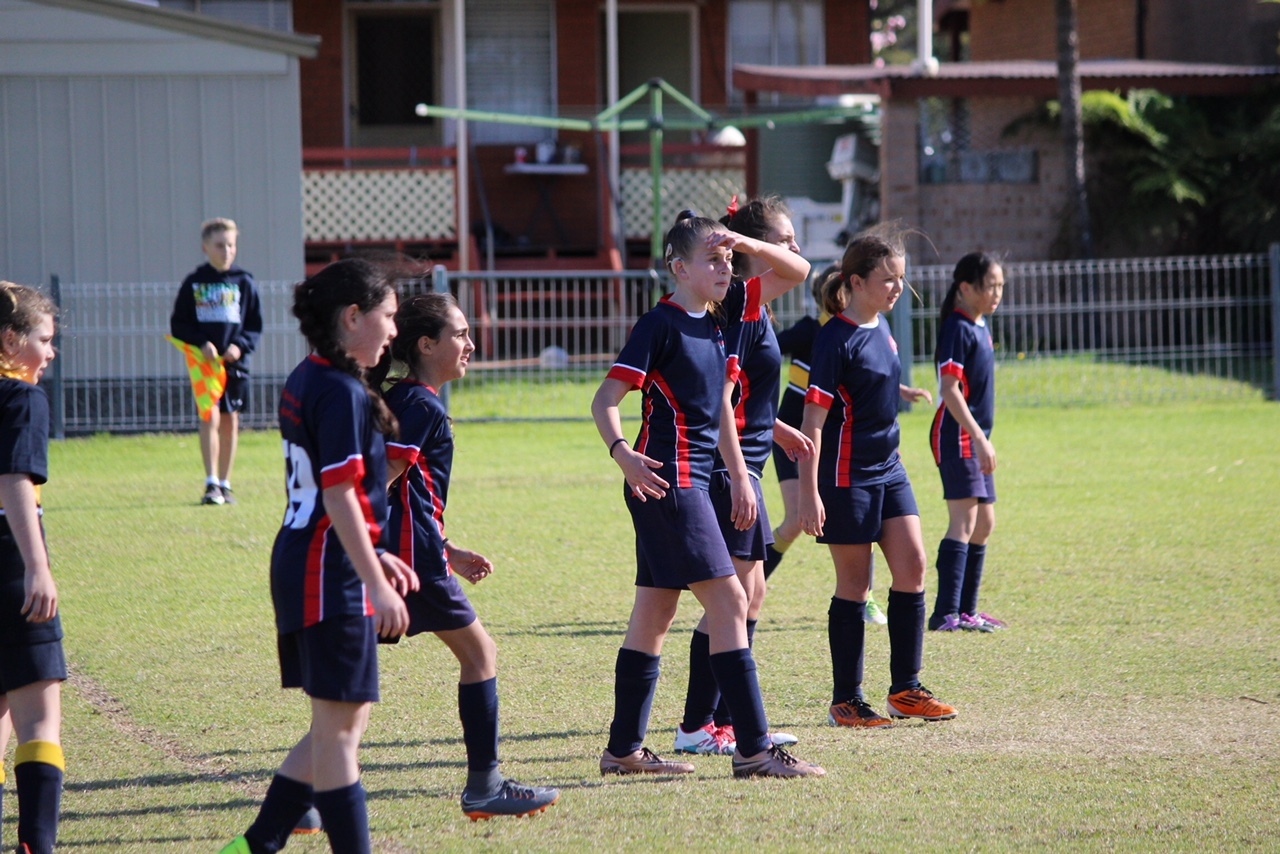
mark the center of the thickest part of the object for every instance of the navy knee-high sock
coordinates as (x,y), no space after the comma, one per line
(847,634)
(724,717)
(346,818)
(952,555)
(478,709)
(635,680)
(286,802)
(736,672)
(906,639)
(37,774)
(972,579)
(703,693)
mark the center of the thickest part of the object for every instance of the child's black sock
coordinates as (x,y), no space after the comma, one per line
(906,639)
(286,802)
(724,717)
(635,680)
(478,709)
(703,693)
(37,772)
(846,633)
(972,579)
(951,575)
(346,818)
(736,672)
(773,557)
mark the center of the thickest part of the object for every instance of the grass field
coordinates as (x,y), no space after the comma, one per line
(1133,705)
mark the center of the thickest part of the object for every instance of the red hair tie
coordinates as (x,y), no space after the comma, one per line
(733,205)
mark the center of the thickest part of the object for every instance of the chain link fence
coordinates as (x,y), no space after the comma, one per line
(1139,330)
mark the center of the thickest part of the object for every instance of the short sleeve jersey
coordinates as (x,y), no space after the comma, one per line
(24,449)
(326,421)
(755,364)
(426,445)
(797,342)
(855,377)
(677,360)
(965,352)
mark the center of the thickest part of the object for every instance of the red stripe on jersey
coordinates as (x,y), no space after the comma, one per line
(684,475)
(740,411)
(732,369)
(751,311)
(405,550)
(952,368)
(313,580)
(820,397)
(935,434)
(352,468)
(844,457)
(627,374)
(408,453)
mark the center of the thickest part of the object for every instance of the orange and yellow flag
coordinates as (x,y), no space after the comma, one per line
(208,376)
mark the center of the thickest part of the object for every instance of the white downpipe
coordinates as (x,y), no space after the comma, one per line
(925,62)
(463,171)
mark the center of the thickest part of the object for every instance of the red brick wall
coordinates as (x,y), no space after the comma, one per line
(1027,29)
(322,96)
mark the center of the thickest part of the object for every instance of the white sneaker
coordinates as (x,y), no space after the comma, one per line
(707,741)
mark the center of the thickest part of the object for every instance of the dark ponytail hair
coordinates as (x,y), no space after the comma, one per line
(754,219)
(864,253)
(688,235)
(419,316)
(972,268)
(320,300)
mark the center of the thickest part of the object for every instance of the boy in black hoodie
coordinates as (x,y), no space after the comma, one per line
(217,310)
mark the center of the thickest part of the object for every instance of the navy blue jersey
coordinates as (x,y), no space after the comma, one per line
(418,497)
(855,376)
(677,360)
(326,420)
(796,341)
(755,364)
(965,352)
(24,449)
(221,307)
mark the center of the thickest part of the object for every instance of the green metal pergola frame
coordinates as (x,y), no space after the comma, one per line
(656,124)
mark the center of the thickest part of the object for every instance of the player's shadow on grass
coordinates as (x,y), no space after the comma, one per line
(584,629)
(455,740)
(156,781)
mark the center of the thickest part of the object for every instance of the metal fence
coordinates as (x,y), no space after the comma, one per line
(1067,333)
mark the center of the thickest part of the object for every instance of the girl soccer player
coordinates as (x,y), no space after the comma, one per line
(797,342)
(434,342)
(334,591)
(857,492)
(961,441)
(765,266)
(676,357)
(32,665)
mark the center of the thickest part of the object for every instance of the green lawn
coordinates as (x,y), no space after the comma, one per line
(1133,705)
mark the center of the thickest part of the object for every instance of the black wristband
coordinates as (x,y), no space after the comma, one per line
(615,444)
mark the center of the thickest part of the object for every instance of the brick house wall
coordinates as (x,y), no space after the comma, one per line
(1027,29)
(321,78)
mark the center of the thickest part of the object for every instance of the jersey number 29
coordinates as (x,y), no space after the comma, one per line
(301,483)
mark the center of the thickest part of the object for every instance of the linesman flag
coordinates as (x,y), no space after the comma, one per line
(208,377)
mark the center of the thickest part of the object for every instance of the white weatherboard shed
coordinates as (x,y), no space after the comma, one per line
(123,126)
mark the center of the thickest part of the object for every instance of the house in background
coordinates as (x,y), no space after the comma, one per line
(946,165)
(366,138)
